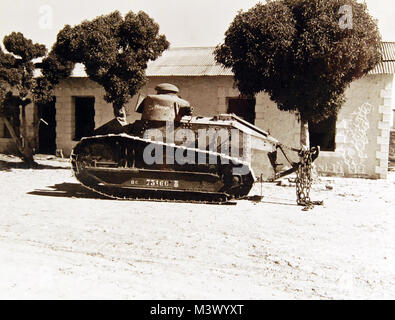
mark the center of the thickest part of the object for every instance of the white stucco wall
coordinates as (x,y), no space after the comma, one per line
(65,109)
(362,129)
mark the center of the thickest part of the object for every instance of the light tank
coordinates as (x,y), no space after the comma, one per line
(171,155)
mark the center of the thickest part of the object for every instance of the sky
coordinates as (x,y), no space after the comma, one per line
(184,22)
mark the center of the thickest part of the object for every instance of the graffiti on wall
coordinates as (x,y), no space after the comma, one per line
(353,149)
(356,133)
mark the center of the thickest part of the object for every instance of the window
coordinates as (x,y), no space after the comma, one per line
(84,117)
(242,107)
(323,134)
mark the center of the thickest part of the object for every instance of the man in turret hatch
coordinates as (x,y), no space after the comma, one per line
(165,105)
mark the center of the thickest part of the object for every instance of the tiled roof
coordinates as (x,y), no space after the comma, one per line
(192,61)
(199,61)
(387,65)
(388,51)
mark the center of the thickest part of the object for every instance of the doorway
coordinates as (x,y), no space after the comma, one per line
(47,127)
(84,117)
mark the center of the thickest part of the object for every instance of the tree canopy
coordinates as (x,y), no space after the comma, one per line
(298,52)
(114,50)
(17,66)
(18,85)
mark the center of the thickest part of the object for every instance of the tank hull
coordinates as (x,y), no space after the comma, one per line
(114,166)
(201,159)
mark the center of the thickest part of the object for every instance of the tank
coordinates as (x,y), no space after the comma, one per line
(171,155)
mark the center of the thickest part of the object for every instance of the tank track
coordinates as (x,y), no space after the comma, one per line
(119,192)
(145,197)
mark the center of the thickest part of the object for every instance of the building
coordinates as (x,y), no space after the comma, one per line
(356,144)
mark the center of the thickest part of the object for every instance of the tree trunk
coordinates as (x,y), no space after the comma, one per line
(22,143)
(304,134)
(27,149)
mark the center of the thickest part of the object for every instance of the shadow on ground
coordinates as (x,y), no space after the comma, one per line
(76,190)
(8,165)
(67,190)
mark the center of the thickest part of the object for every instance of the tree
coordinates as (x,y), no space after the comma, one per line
(18,86)
(114,50)
(303,53)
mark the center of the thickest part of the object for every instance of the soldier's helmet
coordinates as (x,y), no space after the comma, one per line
(164,88)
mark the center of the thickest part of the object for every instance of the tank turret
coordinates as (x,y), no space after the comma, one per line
(165,105)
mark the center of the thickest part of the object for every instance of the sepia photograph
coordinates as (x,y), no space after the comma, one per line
(226,150)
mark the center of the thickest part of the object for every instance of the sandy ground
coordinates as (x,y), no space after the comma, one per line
(60,241)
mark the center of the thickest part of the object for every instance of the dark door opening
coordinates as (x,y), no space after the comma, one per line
(84,117)
(323,134)
(47,127)
(243,108)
